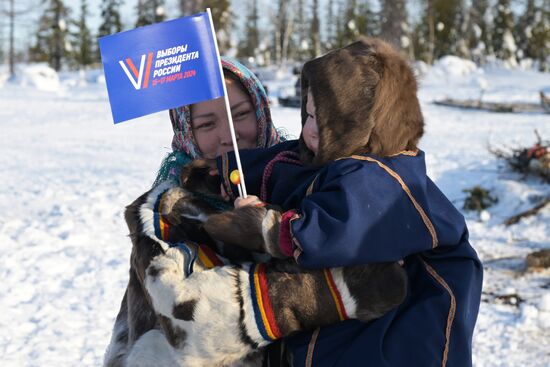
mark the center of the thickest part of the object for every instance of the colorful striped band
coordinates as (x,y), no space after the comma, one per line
(162,228)
(263,311)
(335,295)
(208,257)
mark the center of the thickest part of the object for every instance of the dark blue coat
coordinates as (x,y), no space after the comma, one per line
(369,209)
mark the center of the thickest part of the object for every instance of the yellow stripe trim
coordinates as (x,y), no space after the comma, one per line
(162,223)
(261,304)
(334,295)
(162,226)
(204,259)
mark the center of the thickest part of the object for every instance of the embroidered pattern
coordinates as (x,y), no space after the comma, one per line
(263,311)
(162,228)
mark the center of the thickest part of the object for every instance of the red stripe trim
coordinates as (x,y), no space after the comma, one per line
(267,301)
(211,255)
(336,295)
(132,68)
(165,229)
(148,69)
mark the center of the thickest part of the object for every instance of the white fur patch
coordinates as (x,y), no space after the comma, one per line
(212,337)
(171,198)
(349,302)
(152,349)
(168,288)
(271,218)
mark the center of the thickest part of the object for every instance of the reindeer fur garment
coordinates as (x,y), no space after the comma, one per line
(365,198)
(224,315)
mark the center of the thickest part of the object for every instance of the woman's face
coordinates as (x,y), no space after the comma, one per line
(211,127)
(310,131)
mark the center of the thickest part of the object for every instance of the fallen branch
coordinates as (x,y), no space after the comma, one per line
(505,107)
(534,210)
(545,101)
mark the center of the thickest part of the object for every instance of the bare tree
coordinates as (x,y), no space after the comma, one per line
(284,25)
(315,30)
(12,13)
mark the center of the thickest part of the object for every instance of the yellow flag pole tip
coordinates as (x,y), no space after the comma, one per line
(235,177)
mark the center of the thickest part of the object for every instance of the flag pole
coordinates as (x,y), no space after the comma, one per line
(241,185)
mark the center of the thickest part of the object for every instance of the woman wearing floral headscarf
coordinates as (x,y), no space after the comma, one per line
(200,131)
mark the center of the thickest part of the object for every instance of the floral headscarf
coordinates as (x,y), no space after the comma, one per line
(184,146)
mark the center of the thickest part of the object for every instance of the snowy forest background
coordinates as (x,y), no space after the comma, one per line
(63,32)
(67,172)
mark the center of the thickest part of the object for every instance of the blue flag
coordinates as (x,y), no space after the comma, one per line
(161,66)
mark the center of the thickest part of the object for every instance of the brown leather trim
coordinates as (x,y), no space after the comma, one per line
(421,211)
(452,309)
(411,153)
(311,347)
(310,187)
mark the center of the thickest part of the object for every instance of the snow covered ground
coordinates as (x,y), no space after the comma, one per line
(67,172)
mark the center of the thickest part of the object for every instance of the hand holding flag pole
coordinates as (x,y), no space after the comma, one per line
(239,181)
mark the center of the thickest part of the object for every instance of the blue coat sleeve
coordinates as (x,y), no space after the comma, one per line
(253,162)
(359,214)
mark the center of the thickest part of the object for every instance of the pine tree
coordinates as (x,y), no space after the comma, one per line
(222,18)
(447,26)
(504,44)
(51,43)
(461,40)
(393,23)
(479,32)
(438,32)
(83,53)
(301,35)
(150,12)
(330,26)
(524,30)
(110,15)
(539,43)
(284,27)
(356,19)
(250,42)
(188,7)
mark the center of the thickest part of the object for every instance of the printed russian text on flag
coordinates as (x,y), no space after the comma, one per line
(161,66)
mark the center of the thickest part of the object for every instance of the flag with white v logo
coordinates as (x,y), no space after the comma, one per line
(161,66)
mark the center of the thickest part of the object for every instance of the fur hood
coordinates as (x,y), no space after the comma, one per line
(365,101)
